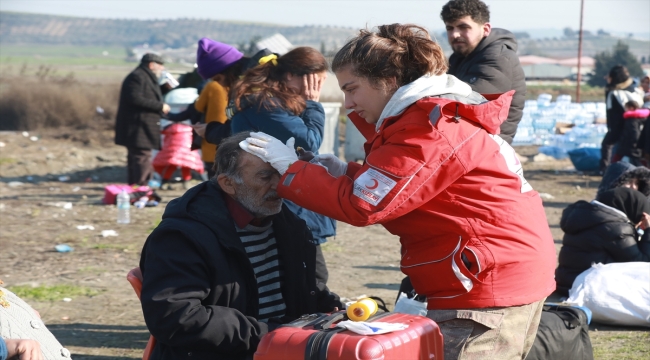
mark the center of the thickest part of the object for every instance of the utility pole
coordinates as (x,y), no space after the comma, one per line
(582,12)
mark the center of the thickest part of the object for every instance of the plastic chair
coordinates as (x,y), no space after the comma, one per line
(135,278)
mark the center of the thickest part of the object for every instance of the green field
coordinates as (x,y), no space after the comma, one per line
(86,63)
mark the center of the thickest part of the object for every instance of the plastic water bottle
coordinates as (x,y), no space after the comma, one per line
(123,207)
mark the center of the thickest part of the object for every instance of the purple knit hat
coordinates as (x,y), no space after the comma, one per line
(213,57)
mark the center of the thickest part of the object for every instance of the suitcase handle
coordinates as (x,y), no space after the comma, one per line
(327,322)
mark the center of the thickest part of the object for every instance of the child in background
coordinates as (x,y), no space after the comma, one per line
(176,152)
(634,111)
(639,115)
(628,145)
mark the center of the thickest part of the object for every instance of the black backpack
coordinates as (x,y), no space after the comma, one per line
(563,333)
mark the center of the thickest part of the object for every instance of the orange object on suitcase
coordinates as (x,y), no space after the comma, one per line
(314,337)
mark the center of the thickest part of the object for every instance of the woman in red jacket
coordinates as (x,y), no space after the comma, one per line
(475,239)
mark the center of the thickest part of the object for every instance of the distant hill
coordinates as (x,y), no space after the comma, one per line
(23,28)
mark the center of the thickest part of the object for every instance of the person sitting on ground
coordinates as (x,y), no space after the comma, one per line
(603,231)
(228,263)
(626,175)
(22,332)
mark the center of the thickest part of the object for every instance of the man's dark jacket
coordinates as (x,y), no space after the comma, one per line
(596,233)
(199,293)
(493,68)
(138,116)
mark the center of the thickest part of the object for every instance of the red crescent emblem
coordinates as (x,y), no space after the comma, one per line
(374,185)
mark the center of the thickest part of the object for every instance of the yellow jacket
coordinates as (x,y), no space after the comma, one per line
(212,102)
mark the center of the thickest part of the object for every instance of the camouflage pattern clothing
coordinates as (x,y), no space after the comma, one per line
(492,333)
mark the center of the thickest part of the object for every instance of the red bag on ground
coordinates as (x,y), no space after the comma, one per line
(312,337)
(135,193)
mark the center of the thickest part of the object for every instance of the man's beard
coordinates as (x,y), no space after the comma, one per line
(258,207)
(463,51)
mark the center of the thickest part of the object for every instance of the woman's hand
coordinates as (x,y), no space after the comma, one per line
(645,221)
(200,129)
(24,349)
(312,85)
(271,150)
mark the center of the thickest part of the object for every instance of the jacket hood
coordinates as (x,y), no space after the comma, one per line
(630,93)
(473,106)
(612,174)
(583,215)
(631,202)
(497,35)
(428,85)
(621,173)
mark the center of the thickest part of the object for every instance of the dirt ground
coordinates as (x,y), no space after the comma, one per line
(38,176)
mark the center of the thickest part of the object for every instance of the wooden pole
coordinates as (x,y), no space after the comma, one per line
(582,11)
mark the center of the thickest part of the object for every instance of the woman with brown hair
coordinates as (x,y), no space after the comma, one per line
(280,97)
(474,235)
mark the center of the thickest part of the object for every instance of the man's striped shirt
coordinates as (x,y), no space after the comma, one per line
(262,251)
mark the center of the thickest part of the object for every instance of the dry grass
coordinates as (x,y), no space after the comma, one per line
(45,101)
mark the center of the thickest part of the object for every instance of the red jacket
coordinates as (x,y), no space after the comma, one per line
(177,149)
(440,178)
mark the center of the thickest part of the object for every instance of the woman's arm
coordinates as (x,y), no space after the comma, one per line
(306,129)
(411,168)
(623,246)
(216,131)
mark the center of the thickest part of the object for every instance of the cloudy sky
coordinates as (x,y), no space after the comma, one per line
(620,16)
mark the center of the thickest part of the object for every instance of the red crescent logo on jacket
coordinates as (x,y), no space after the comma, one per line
(374,185)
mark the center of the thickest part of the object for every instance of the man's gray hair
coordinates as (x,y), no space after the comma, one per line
(228,157)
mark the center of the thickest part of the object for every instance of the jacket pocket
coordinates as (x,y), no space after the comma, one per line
(435,268)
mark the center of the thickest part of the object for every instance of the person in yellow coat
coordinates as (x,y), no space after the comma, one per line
(212,102)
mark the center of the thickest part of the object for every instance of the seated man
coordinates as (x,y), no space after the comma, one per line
(228,263)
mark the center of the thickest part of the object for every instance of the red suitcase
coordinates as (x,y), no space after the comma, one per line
(312,338)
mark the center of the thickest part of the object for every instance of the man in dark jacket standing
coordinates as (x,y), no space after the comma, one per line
(484,57)
(228,263)
(137,126)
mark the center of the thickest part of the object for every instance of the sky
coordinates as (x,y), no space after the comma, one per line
(619,16)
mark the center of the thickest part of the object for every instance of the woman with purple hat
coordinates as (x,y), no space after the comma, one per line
(213,58)
(222,64)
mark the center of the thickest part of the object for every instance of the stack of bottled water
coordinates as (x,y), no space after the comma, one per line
(540,117)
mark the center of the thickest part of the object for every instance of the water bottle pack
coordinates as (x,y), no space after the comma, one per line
(541,116)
